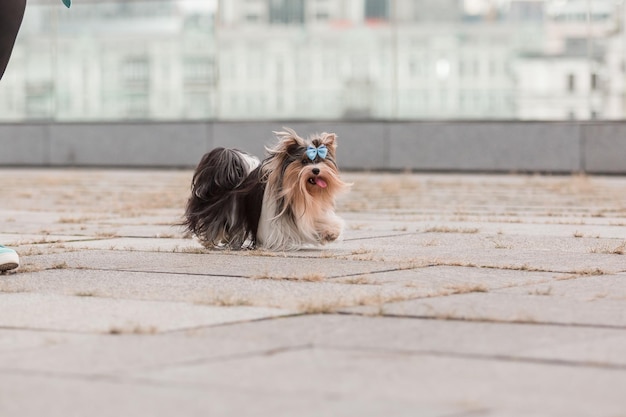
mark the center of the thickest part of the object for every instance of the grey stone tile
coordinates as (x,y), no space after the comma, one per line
(92,314)
(495,387)
(305,295)
(586,288)
(218,263)
(501,307)
(65,396)
(472,248)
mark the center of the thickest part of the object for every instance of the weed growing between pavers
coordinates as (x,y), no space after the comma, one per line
(226,300)
(618,250)
(447,229)
(133,329)
(312,277)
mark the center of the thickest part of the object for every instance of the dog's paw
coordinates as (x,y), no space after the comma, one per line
(328,236)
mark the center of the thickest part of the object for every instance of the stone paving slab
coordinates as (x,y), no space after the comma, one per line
(591,288)
(296,357)
(450,295)
(475,385)
(100,354)
(212,263)
(83,314)
(514,308)
(486,252)
(306,295)
(129,397)
(544,227)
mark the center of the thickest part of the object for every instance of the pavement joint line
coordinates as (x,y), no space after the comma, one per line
(238,356)
(479,356)
(231,323)
(481,320)
(294,279)
(470,413)
(130,333)
(356,239)
(116,379)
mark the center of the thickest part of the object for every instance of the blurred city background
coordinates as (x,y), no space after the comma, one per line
(168,60)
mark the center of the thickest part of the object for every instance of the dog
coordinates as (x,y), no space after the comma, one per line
(281,203)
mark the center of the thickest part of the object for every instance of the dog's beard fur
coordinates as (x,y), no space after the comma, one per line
(283,203)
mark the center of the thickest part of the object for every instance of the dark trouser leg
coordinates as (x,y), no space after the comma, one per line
(11,14)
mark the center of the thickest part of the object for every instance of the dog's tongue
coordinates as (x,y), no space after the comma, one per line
(320,182)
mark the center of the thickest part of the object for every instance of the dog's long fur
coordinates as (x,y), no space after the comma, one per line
(282,203)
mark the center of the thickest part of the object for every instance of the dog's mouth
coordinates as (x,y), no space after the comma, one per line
(318,181)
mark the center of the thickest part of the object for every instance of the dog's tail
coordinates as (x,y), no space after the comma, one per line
(209,213)
(220,171)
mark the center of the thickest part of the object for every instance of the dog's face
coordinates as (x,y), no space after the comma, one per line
(307,166)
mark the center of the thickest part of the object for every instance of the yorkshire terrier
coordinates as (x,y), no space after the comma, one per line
(280,203)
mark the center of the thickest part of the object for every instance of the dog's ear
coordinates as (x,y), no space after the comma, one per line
(330,140)
(288,138)
(288,142)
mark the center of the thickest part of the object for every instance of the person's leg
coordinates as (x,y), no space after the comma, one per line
(8,259)
(11,14)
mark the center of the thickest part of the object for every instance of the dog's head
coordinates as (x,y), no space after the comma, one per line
(305,168)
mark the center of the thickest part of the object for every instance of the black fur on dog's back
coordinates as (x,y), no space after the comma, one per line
(225,203)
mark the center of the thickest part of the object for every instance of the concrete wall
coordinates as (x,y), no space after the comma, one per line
(560,147)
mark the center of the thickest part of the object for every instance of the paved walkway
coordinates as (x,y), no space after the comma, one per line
(451,295)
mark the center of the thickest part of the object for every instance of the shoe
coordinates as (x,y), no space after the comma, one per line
(8,259)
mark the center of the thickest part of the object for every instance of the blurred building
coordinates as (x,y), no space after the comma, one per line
(111,61)
(403,59)
(318,59)
(580,72)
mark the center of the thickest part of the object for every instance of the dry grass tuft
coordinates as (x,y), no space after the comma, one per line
(541,291)
(191,249)
(591,272)
(358,280)
(446,229)
(465,288)
(312,277)
(136,329)
(226,300)
(618,250)
(318,307)
(86,294)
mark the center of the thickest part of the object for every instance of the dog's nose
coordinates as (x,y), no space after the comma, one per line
(316,171)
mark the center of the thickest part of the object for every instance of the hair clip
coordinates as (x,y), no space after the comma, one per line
(312,152)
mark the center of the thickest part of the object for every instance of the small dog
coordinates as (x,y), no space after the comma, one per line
(282,203)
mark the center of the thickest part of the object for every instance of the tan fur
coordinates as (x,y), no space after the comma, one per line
(311,207)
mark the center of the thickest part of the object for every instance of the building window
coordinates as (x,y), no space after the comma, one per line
(376,9)
(135,71)
(571,83)
(198,70)
(287,11)
(321,16)
(595,82)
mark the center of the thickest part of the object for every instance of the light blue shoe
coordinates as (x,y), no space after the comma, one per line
(8,259)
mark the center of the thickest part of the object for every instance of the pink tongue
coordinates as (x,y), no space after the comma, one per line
(320,182)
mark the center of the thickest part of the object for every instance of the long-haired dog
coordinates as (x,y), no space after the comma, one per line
(281,203)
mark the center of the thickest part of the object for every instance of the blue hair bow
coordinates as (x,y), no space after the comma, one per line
(312,152)
(67,3)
